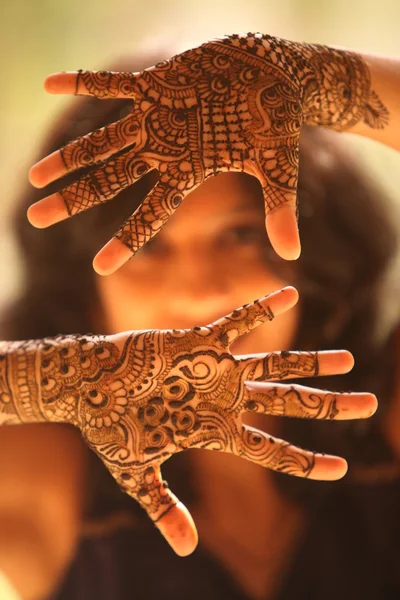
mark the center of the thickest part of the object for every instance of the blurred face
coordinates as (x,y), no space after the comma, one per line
(208,260)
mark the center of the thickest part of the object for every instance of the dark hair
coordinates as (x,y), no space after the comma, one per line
(348,242)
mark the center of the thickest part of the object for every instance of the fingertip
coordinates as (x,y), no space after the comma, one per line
(31,215)
(295,251)
(292,293)
(374,405)
(34,177)
(49,83)
(47,170)
(99,267)
(329,468)
(334,362)
(354,405)
(350,359)
(187,546)
(344,468)
(283,232)
(47,212)
(370,405)
(178,528)
(111,257)
(52,84)
(367,404)
(281,300)
(61,83)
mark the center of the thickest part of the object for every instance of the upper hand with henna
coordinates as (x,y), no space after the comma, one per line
(139,397)
(235,104)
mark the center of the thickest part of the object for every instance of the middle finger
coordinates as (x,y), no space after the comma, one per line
(86,150)
(277,366)
(306,402)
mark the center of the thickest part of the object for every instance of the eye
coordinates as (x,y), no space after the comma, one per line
(245,235)
(155,247)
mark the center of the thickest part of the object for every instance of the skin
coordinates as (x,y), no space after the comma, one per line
(198,273)
(139,397)
(199,269)
(116,389)
(235,104)
(281,223)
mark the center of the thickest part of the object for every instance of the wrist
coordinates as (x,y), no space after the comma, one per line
(19,395)
(333,85)
(336,88)
(37,381)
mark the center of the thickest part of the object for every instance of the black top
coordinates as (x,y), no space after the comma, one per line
(351,550)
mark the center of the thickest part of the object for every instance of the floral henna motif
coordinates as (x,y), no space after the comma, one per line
(139,398)
(232,104)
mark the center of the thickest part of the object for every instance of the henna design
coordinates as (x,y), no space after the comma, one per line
(337,92)
(376,116)
(290,364)
(103,85)
(237,104)
(289,401)
(140,397)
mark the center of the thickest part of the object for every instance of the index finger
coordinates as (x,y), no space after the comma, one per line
(101,84)
(248,317)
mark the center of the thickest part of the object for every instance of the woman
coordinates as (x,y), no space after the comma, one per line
(261,535)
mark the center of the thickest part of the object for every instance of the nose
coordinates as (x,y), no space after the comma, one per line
(198,290)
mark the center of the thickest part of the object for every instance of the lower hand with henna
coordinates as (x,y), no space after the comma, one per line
(141,396)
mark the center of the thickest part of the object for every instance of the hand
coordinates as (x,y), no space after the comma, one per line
(140,397)
(235,104)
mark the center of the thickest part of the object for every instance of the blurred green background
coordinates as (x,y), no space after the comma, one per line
(38,37)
